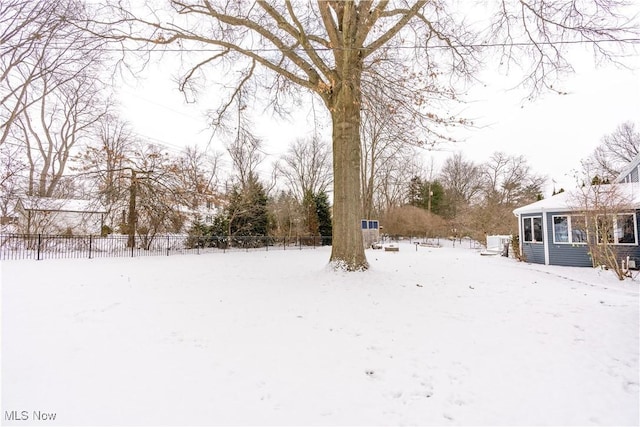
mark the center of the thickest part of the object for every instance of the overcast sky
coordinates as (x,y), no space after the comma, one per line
(554,132)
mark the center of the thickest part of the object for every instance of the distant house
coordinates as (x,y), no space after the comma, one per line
(205,213)
(49,215)
(554,231)
(631,173)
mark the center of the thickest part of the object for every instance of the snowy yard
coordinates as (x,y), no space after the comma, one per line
(438,336)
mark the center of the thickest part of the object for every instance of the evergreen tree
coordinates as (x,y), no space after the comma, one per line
(247,211)
(415,191)
(323,210)
(427,195)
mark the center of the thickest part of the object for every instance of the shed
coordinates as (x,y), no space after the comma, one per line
(370,232)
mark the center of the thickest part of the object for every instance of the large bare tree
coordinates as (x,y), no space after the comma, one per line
(616,151)
(52,129)
(12,168)
(387,140)
(336,49)
(509,180)
(197,175)
(105,161)
(38,43)
(306,166)
(462,181)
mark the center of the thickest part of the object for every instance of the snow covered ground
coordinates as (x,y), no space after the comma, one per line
(439,336)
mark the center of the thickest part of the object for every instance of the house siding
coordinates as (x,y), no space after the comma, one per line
(631,176)
(567,254)
(577,255)
(533,251)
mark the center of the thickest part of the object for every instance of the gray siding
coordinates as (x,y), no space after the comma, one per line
(577,255)
(533,252)
(572,255)
(630,177)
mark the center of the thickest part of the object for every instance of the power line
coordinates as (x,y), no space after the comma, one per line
(161,48)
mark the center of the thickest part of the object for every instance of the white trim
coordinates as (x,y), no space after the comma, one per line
(545,237)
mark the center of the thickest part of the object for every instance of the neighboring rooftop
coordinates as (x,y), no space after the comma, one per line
(61,205)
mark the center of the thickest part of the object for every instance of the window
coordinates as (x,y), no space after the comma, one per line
(373,225)
(537,229)
(618,229)
(578,229)
(569,229)
(561,229)
(532,228)
(364,224)
(604,228)
(625,231)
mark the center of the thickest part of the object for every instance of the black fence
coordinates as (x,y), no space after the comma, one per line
(44,246)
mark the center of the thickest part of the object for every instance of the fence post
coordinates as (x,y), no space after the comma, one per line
(38,250)
(90,243)
(168,244)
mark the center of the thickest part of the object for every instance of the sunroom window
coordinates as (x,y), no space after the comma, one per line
(578,229)
(569,229)
(561,229)
(532,229)
(617,229)
(626,228)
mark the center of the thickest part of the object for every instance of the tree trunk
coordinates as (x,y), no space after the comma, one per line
(347,245)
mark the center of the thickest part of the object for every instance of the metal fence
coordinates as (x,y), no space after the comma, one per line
(44,246)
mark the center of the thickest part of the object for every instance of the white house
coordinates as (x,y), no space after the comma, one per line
(49,215)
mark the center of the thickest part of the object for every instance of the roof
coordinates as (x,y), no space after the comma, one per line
(630,167)
(622,194)
(31,203)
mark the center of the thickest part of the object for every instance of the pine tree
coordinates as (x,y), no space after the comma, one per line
(323,210)
(427,195)
(247,211)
